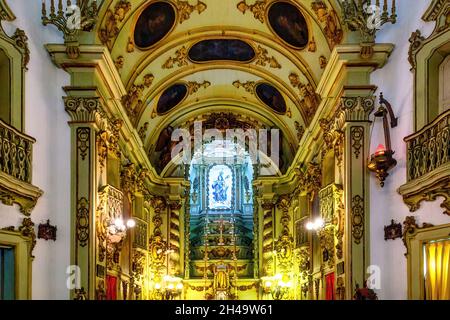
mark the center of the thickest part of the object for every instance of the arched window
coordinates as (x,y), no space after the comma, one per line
(444,85)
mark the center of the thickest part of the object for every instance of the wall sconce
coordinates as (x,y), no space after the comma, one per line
(367,17)
(278,286)
(169,288)
(382,160)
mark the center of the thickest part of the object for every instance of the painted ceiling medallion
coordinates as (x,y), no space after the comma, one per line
(154,23)
(171,97)
(289,24)
(221,49)
(271,97)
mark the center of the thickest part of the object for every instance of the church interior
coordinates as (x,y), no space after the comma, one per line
(224,150)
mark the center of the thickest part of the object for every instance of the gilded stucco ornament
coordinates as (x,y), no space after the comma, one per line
(194,86)
(310,100)
(409,227)
(263,58)
(415,41)
(185,9)
(112,21)
(258,9)
(249,86)
(329,22)
(26,229)
(19,39)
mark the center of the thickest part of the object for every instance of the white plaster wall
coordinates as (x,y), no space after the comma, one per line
(395,80)
(45,120)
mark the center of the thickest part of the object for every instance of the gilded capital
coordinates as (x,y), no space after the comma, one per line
(82,109)
(357,108)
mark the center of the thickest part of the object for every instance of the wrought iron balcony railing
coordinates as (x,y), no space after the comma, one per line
(429,148)
(16,151)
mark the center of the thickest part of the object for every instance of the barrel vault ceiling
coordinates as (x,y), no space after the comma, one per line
(155,45)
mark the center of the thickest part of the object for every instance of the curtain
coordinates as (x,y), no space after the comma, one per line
(111,288)
(437,280)
(329,281)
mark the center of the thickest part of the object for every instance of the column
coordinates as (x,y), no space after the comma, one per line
(83,111)
(355,112)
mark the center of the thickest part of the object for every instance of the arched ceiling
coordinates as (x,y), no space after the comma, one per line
(219,86)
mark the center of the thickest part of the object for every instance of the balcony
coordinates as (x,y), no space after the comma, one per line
(16,150)
(428,165)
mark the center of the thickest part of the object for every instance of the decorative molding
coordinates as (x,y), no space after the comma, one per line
(323,62)
(13,191)
(249,86)
(180,59)
(326,240)
(5,12)
(119,62)
(357,136)
(416,40)
(83,140)
(110,29)
(194,86)
(132,101)
(27,230)
(21,42)
(310,180)
(82,230)
(185,9)
(357,108)
(409,227)
(329,22)
(82,109)
(357,218)
(143,131)
(262,58)
(258,9)
(300,130)
(310,100)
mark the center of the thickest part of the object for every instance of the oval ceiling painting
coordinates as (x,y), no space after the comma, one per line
(271,97)
(221,49)
(289,24)
(154,23)
(171,97)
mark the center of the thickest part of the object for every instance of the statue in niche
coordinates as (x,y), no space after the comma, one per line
(221,277)
(220,188)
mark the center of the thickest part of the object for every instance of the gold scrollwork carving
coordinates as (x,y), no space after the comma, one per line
(409,227)
(193,86)
(309,101)
(263,58)
(110,29)
(180,59)
(329,21)
(357,218)
(185,9)
(258,9)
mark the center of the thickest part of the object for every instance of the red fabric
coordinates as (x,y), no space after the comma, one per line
(111,288)
(329,280)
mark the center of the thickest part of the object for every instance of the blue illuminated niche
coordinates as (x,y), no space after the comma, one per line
(220,187)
